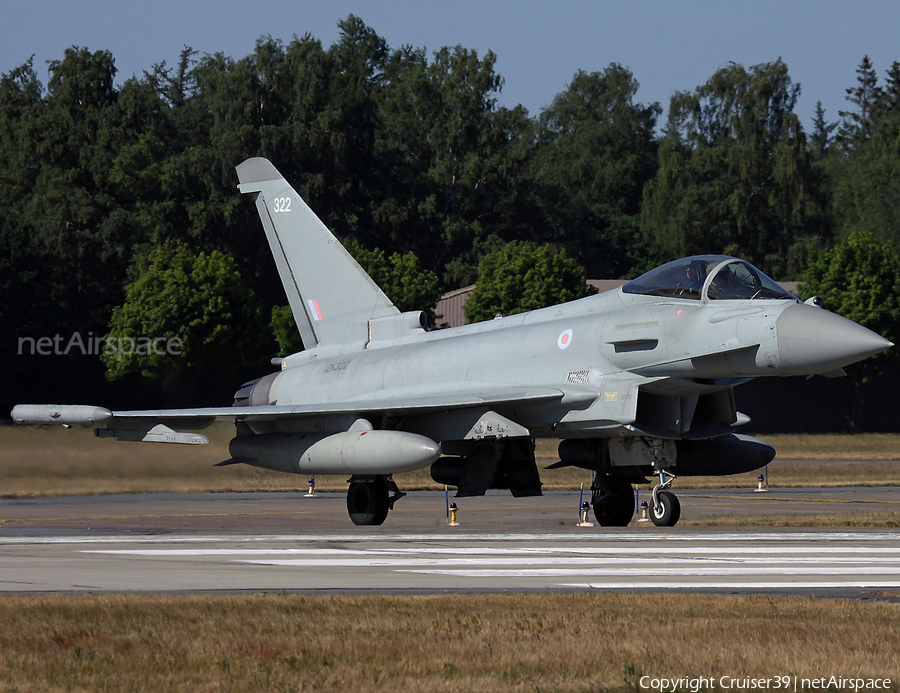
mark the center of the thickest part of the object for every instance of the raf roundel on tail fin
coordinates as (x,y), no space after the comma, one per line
(331,296)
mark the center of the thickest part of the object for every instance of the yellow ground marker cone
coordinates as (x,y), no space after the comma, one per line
(585,507)
(644,510)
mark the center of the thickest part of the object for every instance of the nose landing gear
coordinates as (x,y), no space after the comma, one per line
(619,462)
(665,508)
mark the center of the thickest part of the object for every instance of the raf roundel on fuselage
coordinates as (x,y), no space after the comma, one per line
(708,277)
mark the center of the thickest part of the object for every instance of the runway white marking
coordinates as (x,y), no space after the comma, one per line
(633,560)
(678,571)
(606,550)
(597,534)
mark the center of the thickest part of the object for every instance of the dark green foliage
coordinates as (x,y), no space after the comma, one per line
(859,278)
(865,96)
(200,314)
(736,175)
(285,331)
(890,95)
(821,138)
(867,174)
(400,276)
(407,152)
(460,155)
(524,276)
(867,185)
(596,150)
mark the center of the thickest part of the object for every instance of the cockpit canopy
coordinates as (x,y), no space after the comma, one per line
(713,277)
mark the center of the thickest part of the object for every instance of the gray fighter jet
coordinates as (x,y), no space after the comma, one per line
(636,382)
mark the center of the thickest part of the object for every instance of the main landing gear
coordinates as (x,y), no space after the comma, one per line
(613,500)
(369,498)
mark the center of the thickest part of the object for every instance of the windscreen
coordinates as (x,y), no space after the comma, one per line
(740,280)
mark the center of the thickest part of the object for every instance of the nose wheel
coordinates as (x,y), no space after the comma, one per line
(665,508)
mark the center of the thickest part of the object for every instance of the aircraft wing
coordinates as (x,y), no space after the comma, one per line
(386,403)
(401,402)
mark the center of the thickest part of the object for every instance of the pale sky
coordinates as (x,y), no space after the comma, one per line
(669,45)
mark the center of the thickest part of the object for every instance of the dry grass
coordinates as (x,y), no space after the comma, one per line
(855,519)
(803,475)
(52,461)
(864,446)
(575,642)
(569,642)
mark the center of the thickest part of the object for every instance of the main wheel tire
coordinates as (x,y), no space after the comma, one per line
(367,502)
(613,503)
(668,512)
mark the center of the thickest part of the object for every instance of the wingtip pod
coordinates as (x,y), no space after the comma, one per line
(63,414)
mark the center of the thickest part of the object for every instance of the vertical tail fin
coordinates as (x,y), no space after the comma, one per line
(331,296)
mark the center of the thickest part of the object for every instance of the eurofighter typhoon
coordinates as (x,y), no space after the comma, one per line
(637,382)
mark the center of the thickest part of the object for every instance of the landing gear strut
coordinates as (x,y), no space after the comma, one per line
(370,498)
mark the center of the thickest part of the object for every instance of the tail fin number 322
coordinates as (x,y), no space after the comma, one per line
(281,204)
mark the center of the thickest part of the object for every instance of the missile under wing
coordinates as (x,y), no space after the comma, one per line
(636,382)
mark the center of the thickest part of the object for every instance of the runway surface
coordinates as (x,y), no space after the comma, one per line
(284,541)
(734,561)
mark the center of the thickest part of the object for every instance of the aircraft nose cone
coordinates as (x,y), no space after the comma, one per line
(812,340)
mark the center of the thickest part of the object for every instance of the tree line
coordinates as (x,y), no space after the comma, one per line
(119,215)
